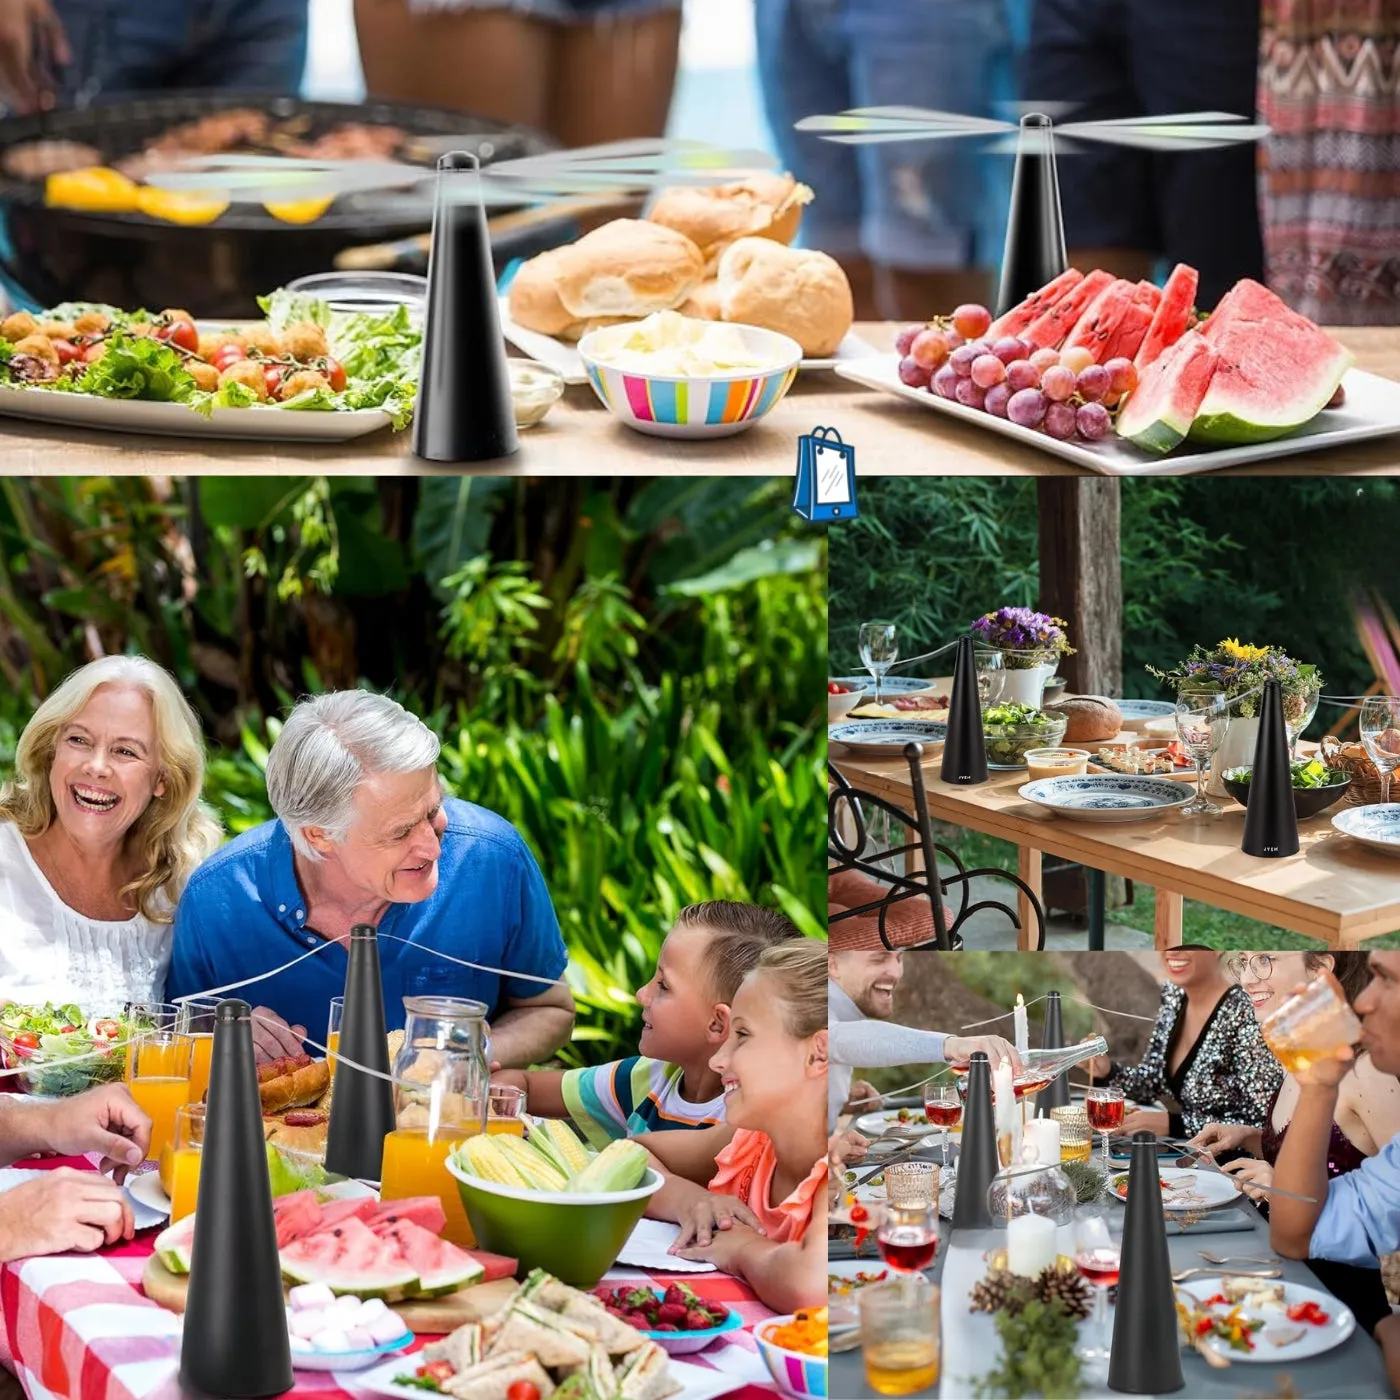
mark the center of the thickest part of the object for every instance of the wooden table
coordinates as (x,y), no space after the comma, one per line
(891,437)
(1334,889)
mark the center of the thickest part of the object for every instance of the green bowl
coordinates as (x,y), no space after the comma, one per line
(577,1238)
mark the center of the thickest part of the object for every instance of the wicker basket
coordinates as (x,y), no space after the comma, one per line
(1365,788)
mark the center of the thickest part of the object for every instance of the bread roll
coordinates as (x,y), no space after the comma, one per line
(1091,718)
(629,267)
(801,293)
(291,1082)
(534,295)
(300,1130)
(576,330)
(704,302)
(713,217)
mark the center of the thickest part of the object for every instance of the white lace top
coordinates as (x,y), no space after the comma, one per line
(49,952)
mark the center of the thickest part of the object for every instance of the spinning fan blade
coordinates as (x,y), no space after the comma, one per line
(1163,137)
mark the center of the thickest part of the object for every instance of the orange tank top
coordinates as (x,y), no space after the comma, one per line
(745,1170)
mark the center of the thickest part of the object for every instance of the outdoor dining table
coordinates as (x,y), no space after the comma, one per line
(1334,889)
(891,437)
(79,1327)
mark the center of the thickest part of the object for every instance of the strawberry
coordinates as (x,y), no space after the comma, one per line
(665,1327)
(675,1294)
(672,1312)
(696,1320)
(638,1320)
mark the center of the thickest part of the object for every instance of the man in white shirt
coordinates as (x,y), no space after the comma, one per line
(860,999)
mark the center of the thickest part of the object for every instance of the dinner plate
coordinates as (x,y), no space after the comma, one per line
(1107,797)
(1186,1189)
(147,1192)
(562,356)
(884,738)
(1340,1324)
(256,423)
(1372,410)
(891,685)
(1135,712)
(843,1300)
(1376,825)
(886,1123)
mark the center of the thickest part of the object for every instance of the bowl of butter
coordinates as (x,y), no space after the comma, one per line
(680,377)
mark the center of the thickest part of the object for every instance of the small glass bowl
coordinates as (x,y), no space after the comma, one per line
(534,389)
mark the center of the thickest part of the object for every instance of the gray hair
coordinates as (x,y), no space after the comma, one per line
(328,746)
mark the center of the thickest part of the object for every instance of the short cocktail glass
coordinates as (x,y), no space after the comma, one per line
(899,1335)
(1313,1025)
(1105,1108)
(1076,1136)
(158,1074)
(913,1184)
(943,1108)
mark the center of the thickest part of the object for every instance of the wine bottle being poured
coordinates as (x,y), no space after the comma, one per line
(1042,1067)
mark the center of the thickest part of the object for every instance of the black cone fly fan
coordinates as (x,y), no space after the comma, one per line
(1035,232)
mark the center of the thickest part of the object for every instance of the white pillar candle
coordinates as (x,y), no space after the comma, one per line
(1031,1244)
(1004,1097)
(1022,1032)
(1043,1134)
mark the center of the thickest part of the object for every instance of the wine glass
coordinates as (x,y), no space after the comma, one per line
(1380,733)
(1307,696)
(991,675)
(879,650)
(1202,717)
(1105,1107)
(1097,1259)
(908,1237)
(943,1108)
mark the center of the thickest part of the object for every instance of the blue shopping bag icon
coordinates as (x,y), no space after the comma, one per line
(825,488)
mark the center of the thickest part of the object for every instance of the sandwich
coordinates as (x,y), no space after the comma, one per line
(298,1130)
(555,1340)
(645,1375)
(713,217)
(796,291)
(292,1082)
(492,1379)
(598,1372)
(583,1309)
(461,1348)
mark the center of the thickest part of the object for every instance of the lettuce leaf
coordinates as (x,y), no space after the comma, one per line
(375,347)
(138,367)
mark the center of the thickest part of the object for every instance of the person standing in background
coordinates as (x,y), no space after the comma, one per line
(1329,87)
(916,225)
(585,71)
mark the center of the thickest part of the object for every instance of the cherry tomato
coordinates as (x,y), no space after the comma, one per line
(26,1040)
(225,356)
(67,351)
(66,1030)
(95,351)
(272,377)
(438,1370)
(859,1214)
(835,688)
(183,334)
(335,374)
(523,1390)
(108,1030)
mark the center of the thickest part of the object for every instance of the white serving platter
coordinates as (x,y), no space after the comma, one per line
(1372,410)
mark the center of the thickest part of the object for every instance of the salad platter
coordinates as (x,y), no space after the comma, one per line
(62,1050)
(1262,1320)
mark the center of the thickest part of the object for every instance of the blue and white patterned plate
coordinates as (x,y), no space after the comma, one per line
(891,685)
(1136,711)
(884,738)
(1377,825)
(1111,797)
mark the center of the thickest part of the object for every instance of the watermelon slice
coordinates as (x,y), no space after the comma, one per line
(350,1258)
(1052,325)
(1129,333)
(296,1215)
(336,1212)
(1101,319)
(424,1211)
(1020,316)
(1160,411)
(441,1267)
(1277,369)
(496,1265)
(1172,316)
(1148,295)
(175,1244)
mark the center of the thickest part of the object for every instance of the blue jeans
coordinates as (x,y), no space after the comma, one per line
(129,46)
(918,205)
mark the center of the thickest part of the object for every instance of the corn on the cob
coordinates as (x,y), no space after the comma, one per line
(557,1141)
(486,1160)
(619,1166)
(539,1172)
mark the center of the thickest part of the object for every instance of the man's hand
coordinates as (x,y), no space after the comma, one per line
(706,1217)
(23,83)
(864,1095)
(1146,1120)
(959,1049)
(63,1210)
(843,1147)
(273,1038)
(106,1120)
(1227,1137)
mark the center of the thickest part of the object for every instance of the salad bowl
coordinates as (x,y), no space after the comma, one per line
(61,1050)
(1315,786)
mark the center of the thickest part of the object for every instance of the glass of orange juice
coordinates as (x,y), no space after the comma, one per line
(333,1031)
(196,1020)
(506,1110)
(152,1015)
(180,1168)
(158,1074)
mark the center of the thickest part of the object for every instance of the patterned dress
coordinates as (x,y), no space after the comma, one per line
(1329,86)
(1228,1076)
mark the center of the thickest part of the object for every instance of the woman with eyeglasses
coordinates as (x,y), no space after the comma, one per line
(1367,1117)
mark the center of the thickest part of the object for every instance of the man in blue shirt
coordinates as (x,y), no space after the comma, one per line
(363,835)
(1356,1217)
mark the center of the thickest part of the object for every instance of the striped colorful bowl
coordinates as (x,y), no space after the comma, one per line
(796,1373)
(696,406)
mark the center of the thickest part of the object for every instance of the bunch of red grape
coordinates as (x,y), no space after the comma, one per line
(1063,393)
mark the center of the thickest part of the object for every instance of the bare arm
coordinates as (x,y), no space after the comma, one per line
(544,1090)
(689,1155)
(529,1030)
(1302,1169)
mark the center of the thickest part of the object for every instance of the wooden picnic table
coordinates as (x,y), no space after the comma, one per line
(891,437)
(1334,889)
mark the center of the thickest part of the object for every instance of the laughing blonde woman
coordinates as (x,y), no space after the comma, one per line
(99,830)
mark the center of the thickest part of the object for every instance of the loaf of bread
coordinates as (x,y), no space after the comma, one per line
(713,217)
(534,295)
(1091,718)
(799,292)
(629,267)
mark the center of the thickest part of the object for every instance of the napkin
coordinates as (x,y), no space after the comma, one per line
(646,1249)
(1232,1218)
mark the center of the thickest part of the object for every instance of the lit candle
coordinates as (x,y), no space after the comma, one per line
(1023,1035)
(1043,1135)
(1031,1244)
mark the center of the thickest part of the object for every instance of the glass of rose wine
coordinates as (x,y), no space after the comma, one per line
(943,1108)
(908,1237)
(1097,1259)
(1105,1107)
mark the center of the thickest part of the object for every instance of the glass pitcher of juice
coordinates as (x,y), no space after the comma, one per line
(442,1097)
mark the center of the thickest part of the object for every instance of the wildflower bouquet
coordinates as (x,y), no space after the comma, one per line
(1233,668)
(1025,638)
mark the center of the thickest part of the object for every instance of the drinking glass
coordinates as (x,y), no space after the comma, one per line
(1202,717)
(1097,1259)
(1105,1111)
(180,1177)
(196,1020)
(505,1111)
(913,1184)
(1313,1025)
(908,1237)
(1306,697)
(1380,733)
(879,650)
(158,1076)
(991,676)
(152,1015)
(333,1032)
(899,1335)
(943,1108)
(1076,1136)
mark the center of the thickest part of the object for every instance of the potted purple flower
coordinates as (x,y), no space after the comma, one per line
(1030,643)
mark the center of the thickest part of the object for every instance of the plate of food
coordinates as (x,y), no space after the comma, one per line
(892,687)
(1316,787)
(1186,1189)
(894,1122)
(844,1280)
(674,1317)
(305,373)
(332,1332)
(1273,1321)
(930,704)
(1154,758)
(1012,730)
(885,738)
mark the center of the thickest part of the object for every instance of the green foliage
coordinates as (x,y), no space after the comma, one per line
(1038,1355)
(999,978)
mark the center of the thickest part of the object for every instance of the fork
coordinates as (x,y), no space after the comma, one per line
(1232,1258)
(1184,1274)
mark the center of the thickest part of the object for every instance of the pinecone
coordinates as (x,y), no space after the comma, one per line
(1000,1289)
(1065,1287)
